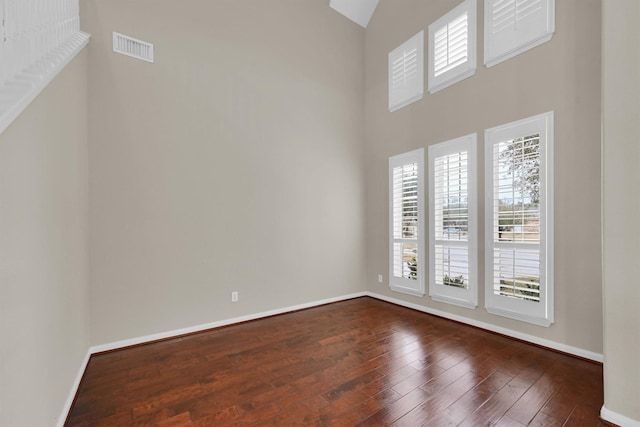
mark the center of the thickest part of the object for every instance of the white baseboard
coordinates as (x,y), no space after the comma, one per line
(199,328)
(615,418)
(74,390)
(586,354)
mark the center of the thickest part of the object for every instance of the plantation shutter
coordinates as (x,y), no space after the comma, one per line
(452,222)
(406,72)
(516,225)
(452,46)
(406,223)
(514,26)
(519,234)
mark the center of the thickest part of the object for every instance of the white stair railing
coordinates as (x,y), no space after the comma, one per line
(38,38)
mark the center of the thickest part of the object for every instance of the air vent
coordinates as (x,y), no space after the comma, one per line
(132,47)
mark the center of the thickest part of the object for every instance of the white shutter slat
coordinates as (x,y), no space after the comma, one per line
(503,15)
(515,26)
(517,274)
(525,9)
(452,42)
(451,191)
(406,254)
(452,266)
(406,75)
(451,45)
(519,220)
(452,222)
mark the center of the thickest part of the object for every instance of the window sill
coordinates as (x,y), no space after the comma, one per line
(454,301)
(540,321)
(408,291)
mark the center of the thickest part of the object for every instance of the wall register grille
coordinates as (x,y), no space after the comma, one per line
(132,47)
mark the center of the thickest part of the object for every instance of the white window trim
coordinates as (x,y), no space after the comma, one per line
(466,69)
(467,298)
(398,284)
(541,314)
(492,58)
(407,94)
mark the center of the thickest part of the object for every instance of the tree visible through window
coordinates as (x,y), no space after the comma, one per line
(518,271)
(519,246)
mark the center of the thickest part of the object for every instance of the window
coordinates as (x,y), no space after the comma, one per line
(406,223)
(519,220)
(514,26)
(37,40)
(452,46)
(406,72)
(453,239)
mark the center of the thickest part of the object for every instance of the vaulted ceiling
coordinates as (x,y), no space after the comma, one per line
(359,11)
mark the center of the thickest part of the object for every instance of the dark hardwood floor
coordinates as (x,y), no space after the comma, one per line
(358,362)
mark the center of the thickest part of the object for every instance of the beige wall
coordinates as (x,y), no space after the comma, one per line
(621,199)
(238,162)
(562,75)
(234,162)
(43,246)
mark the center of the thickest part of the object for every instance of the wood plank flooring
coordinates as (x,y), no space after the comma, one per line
(361,362)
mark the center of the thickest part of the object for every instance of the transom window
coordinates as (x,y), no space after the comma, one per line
(452,46)
(512,27)
(406,72)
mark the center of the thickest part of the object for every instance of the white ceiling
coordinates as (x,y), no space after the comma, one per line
(359,11)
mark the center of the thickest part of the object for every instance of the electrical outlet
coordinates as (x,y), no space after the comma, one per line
(379,278)
(234,296)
